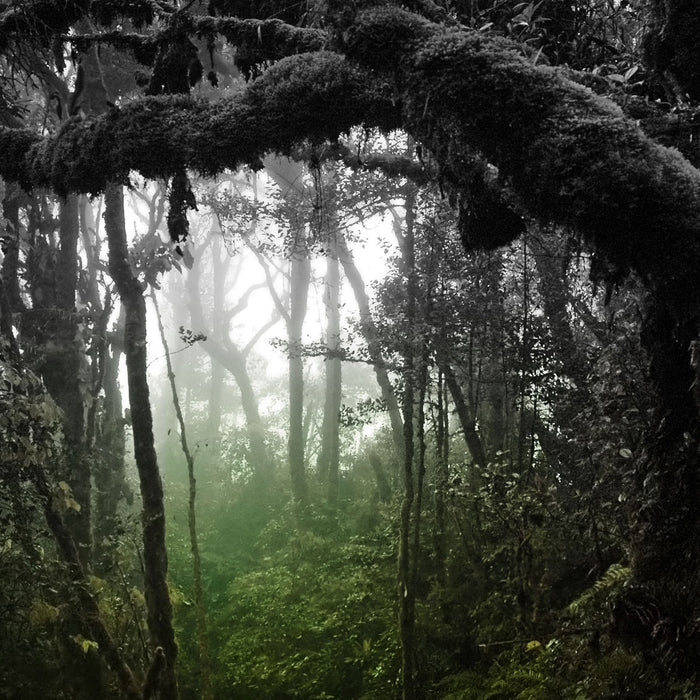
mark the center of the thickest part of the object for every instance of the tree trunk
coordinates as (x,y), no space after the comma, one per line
(329,456)
(62,371)
(371,336)
(153,515)
(227,355)
(109,471)
(299,289)
(407,593)
(466,419)
(442,445)
(206,692)
(659,610)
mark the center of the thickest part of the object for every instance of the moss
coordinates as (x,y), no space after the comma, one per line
(310,96)
(571,156)
(143,48)
(382,37)
(258,41)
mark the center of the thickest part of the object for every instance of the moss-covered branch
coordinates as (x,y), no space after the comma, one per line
(310,96)
(571,156)
(256,40)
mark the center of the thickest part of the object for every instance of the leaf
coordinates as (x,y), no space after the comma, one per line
(85,644)
(72,504)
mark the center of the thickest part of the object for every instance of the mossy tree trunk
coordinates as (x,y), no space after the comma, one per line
(52,325)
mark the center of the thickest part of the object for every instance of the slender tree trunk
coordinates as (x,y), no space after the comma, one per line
(10,228)
(371,336)
(299,289)
(153,515)
(407,592)
(109,471)
(466,419)
(329,456)
(216,388)
(206,691)
(9,346)
(104,434)
(419,392)
(442,440)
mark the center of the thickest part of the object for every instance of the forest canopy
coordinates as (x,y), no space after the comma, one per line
(516,150)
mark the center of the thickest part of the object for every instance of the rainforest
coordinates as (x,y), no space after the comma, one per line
(349,349)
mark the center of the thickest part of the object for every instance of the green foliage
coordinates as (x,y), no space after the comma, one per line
(313,611)
(602,591)
(523,674)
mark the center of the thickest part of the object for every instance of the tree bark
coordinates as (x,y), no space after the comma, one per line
(442,445)
(153,514)
(62,371)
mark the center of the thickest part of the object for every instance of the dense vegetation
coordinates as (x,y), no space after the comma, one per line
(239,459)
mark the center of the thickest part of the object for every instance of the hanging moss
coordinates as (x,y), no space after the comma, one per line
(180,200)
(143,48)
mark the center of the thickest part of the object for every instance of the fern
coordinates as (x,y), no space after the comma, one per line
(610,582)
